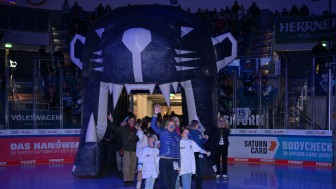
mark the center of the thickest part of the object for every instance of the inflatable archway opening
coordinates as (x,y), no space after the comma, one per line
(143,48)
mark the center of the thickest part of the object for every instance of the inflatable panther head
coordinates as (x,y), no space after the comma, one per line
(143,48)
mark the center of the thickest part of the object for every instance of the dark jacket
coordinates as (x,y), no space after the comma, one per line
(124,133)
(217,135)
(169,141)
(196,136)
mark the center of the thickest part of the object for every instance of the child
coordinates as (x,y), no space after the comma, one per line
(188,166)
(195,134)
(149,162)
(141,144)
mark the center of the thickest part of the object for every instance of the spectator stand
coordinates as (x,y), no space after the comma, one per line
(260,102)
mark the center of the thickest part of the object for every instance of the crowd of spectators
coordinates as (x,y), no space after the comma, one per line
(235,19)
(294,12)
(52,71)
(76,19)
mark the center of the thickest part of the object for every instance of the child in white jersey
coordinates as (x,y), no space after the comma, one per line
(141,144)
(188,166)
(148,163)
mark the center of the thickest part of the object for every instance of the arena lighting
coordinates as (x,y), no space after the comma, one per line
(8,45)
(9,1)
(171,95)
(12,64)
(324,43)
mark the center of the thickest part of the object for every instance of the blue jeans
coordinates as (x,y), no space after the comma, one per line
(150,183)
(186,180)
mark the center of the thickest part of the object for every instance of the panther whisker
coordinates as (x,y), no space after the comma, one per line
(180,59)
(180,51)
(99,69)
(183,68)
(98,60)
(98,53)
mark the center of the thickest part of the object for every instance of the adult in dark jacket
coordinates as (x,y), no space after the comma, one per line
(128,141)
(220,142)
(169,150)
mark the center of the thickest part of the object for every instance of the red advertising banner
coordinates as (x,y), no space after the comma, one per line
(37,150)
(280,162)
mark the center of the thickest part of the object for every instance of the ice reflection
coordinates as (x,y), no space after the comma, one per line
(256,176)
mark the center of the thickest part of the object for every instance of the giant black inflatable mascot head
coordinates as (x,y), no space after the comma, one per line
(139,48)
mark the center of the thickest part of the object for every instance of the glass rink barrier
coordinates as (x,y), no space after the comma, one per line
(268,93)
(45,103)
(278,112)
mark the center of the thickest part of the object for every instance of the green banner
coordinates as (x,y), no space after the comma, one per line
(304,29)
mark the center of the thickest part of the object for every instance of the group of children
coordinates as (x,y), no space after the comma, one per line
(163,149)
(149,156)
(148,160)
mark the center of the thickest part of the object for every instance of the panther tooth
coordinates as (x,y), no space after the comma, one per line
(175,85)
(100,32)
(165,90)
(117,89)
(91,132)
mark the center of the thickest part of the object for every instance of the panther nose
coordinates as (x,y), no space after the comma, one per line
(136,40)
